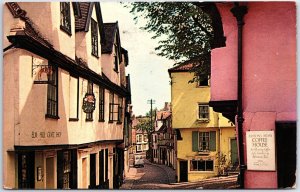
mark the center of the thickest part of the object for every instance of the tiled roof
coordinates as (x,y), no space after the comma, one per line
(183,67)
(162,115)
(85,9)
(110,30)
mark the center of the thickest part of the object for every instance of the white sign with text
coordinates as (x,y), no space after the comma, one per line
(260,150)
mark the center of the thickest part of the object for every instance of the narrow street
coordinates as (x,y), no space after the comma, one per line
(154,176)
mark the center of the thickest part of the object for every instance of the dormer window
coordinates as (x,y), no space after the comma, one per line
(94,32)
(65,17)
(116,57)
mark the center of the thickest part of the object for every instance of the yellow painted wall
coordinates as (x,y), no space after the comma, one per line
(185,98)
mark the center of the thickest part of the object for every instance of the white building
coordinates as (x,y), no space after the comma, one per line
(64,97)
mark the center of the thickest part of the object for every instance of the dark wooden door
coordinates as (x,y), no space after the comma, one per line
(26,170)
(101,169)
(183,166)
(92,171)
(286,153)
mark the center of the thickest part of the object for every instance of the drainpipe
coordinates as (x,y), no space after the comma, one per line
(239,12)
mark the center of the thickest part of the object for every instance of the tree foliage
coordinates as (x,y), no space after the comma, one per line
(183,29)
(145,122)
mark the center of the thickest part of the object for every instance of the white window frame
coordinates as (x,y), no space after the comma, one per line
(199,112)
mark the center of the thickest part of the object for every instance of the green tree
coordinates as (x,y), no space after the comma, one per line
(184,31)
(145,122)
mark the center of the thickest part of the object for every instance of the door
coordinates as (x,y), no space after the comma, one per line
(50,173)
(286,153)
(101,169)
(26,170)
(234,152)
(183,166)
(92,171)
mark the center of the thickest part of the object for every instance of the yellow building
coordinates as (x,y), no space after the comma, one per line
(206,141)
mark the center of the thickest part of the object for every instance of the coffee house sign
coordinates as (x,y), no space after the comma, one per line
(260,150)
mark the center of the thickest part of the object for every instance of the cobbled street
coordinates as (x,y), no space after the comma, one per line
(154,176)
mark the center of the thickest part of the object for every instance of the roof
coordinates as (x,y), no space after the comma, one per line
(161,115)
(186,66)
(30,39)
(85,9)
(110,30)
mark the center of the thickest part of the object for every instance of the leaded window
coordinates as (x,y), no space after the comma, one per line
(66,170)
(203,112)
(101,104)
(65,17)
(202,165)
(89,115)
(203,141)
(94,29)
(52,93)
(116,57)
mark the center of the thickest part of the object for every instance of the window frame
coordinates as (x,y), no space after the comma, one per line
(65,17)
(200,105)
(201,135)
(90,90)
(205,165)
(116,58)
(206,84)
(101,104)
(52,93)
(94,38)
(67,169)
(77,113)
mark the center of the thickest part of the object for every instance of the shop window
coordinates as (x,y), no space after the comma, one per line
(202,165)
(65,17)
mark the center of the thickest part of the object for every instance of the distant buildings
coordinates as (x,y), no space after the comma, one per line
(206,141)
(65,99)
(164,138)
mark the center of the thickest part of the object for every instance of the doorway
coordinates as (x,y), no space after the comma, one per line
(183,166)
(50,173)
(286,153)
(92,171)
(26,170)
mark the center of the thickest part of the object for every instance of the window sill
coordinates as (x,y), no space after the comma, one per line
(203,120)
(102,120)
(51,116)
(89,120)
(95,55)
(110,121)
(73,119)
(119,123)
(64,29)
(116,70)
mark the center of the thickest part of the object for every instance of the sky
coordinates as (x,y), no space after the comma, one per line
(148,72)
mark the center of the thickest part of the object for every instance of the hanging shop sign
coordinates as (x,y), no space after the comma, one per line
(89,103)
(260,150)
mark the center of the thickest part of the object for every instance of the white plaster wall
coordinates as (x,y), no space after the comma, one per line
(84,47)
(46,17)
